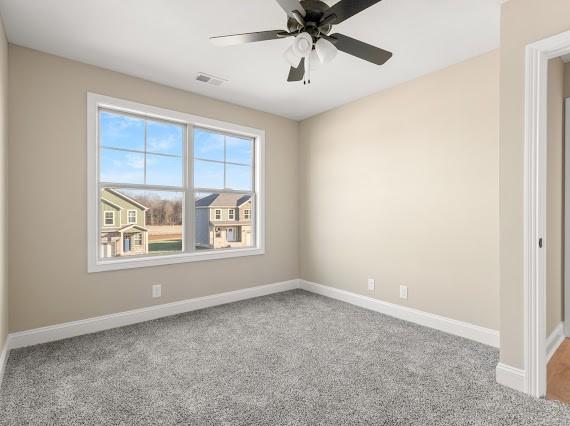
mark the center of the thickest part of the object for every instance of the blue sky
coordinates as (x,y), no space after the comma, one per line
(210,146)
(127,132)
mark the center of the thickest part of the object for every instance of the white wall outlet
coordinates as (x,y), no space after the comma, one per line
(371,284)
(156,290)
(403,292)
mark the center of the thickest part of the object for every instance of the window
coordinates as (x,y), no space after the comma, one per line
(164,172)
(246,214)
(109,218)
(224,177)
(132,216)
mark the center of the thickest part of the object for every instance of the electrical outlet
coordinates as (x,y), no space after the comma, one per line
(371,284)
(156,290)
(403,292)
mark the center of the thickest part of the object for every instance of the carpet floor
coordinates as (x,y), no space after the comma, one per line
(288,358)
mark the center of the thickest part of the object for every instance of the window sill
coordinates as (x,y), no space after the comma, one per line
(142,262)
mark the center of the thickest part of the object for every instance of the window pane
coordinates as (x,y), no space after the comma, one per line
(239,150)
(208,174)
(121,166)
(215,228)
(121,131)
(208,145)
(158,228)
(162,170)
(238,177)
(165,138)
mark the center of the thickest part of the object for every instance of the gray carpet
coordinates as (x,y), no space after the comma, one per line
(289,358)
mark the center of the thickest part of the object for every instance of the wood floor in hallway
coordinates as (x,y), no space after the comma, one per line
(558,384)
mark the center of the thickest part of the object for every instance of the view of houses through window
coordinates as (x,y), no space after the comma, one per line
(221,221)
(143,188)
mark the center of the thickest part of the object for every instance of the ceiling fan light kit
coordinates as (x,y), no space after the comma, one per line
(314,61)
(292,58)
(310,22)
(302,45)
(326,51)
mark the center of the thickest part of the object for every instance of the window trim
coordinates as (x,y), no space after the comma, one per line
(216,214)
(94,263)
(136,218)
(231,214)
(105,219)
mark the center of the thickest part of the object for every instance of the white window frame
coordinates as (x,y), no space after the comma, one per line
(246,214)
(129,220)
(135,237)
(216,214)
(231,214)
(105,218)
(96,102)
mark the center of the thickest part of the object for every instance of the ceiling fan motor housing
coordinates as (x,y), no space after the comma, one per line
(315,10)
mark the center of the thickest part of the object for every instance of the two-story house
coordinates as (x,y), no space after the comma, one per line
(224,221)
(123,222)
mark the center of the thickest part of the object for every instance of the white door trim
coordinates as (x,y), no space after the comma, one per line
(535,139)
(567,219)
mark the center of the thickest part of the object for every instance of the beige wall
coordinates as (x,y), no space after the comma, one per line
(567,80)
(402,186)
(522,22)
(3,143)
(555,196)
(47,156)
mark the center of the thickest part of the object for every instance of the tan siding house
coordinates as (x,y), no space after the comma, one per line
(224,221)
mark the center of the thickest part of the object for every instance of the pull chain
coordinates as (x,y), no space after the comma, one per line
(307,75)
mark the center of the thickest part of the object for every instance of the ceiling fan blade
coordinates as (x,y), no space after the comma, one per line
(290,5)
(360,49)
(297,74)
(344,9)
(233,39)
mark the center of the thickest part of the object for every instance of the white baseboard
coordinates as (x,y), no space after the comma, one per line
(554,341)
(459,328)
(3,359)
(510,376)
(92,325)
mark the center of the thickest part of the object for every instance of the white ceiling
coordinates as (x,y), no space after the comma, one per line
(167,42)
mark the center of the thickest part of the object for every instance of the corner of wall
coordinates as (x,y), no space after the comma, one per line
(3,168)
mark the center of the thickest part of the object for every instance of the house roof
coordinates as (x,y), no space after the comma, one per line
(126,198)
(223,200)
(132,225)
(111,204)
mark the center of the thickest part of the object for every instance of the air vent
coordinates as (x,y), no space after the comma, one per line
(210,79)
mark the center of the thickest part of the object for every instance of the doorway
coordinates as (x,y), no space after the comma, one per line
(538,55)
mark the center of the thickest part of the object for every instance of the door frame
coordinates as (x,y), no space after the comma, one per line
(233,232)
(537,56)
(566,259)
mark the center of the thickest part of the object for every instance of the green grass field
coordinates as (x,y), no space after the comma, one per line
(164,245)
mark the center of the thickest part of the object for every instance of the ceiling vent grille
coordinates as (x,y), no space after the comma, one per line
(210,79)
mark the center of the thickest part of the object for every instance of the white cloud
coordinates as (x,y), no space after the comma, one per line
(161,144)
(136,161)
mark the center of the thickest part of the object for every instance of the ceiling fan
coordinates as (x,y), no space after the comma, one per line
(310,22)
